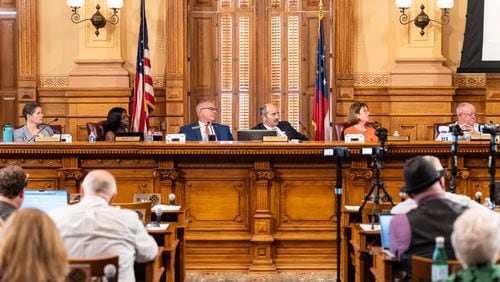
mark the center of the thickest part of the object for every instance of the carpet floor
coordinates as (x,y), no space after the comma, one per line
(278,277)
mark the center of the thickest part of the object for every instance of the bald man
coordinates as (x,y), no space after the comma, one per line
(270,117)
(93,228)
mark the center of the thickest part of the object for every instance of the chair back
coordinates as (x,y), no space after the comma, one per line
(79,273)
(338,131)
(422,268)
(143,209)
(154,198)
(97,265)
(98,129)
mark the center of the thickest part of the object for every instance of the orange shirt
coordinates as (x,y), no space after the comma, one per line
(369,133)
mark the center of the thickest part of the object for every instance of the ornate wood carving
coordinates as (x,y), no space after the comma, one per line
(27,58)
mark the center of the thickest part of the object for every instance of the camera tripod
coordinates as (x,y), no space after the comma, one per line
(376,189)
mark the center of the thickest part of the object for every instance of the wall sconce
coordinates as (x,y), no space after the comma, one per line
(422,19)
(97,19)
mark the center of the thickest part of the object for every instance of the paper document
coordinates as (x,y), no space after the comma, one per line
(166,208)
(152,226)
(351,208)
(370,227)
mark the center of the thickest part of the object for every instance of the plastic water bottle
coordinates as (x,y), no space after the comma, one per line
(8,133)
(439,261)
(92,137)
(488,203)
(149,137)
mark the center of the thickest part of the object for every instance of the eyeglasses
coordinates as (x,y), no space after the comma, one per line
(469,114)
(211,109)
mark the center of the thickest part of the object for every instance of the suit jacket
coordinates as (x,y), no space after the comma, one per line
(193,133)
(287,128)
(23,134)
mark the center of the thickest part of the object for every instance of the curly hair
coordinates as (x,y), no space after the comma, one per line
(13,179)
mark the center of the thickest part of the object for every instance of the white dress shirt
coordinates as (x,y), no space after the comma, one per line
(93,228)
(277,129)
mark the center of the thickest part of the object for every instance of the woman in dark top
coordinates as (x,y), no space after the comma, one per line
(117,121)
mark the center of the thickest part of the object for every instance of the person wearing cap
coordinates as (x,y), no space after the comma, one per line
(414,233)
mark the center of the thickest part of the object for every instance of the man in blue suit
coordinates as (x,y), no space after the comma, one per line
(205,129)
(271,121)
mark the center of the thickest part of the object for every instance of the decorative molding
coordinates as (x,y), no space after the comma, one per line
(52,81)
(159,82)
(372,79)
(163,174)
(70,174)
(468,80)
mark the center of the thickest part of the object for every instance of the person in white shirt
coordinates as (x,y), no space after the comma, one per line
(270,117)
(93,227)
(410,204)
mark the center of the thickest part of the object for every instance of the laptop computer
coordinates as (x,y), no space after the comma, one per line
(385,221)
(45,200)
(254,134)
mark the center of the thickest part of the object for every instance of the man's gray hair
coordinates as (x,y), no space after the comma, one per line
(475,236)
(99,182)
(263,110)
(199,105)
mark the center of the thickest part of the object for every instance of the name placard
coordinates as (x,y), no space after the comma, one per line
(48,138)
(127,138)
(274,138)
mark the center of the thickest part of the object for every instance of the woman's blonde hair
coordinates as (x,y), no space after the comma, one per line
(354,110)
(31,249)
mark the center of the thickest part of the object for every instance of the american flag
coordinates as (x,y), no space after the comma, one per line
(144,98)
(321,111)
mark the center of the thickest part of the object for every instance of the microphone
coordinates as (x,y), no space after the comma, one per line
(158,212)
(478,196)
(211,137)
(110,272)
(41,129)
(402,195)
(171,198)
(307,131)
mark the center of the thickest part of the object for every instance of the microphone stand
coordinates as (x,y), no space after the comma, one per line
(492,169)
(41,129)
(455,132)
(339,153)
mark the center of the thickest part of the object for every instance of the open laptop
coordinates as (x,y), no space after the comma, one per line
(254,134)
(45,200)
(385,221)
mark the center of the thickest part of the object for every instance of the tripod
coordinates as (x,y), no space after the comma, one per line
(339,153)
(492,169)
(375,190)
(455,132)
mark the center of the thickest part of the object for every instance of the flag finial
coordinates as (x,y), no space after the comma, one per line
(320,7)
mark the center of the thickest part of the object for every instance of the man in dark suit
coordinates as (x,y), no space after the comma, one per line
(271,121)
(205,129)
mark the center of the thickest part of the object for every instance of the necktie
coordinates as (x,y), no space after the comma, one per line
(207,130)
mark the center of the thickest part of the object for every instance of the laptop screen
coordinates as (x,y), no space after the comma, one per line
(45,200)
(385,220)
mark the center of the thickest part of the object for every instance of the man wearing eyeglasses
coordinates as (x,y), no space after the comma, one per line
(466,119)
(13,180)
(205,129)
(271,121)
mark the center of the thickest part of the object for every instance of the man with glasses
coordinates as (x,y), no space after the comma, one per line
(13,180)
(205,129)
(466,119)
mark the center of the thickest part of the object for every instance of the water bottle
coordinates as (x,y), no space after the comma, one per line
(92,137)
(488,203)
(439,261)
(149,137)
(8,133)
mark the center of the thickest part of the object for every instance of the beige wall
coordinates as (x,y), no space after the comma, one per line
(59,37)
(378,39)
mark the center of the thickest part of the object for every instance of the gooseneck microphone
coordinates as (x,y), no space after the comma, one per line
(171,199)
(42,129)
(211,136)
(307,131)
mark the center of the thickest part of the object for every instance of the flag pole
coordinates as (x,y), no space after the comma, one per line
(143,45)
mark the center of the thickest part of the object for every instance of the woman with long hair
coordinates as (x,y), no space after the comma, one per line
(117,121)
(31,249)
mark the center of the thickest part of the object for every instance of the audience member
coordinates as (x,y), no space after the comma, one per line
(117,121)
(358,122)
(410,203)
(270,117)
(476,241)
(205,129)
(13,180)
(32,112)
(414,233)
(31,249)
(466,119)
(93,227)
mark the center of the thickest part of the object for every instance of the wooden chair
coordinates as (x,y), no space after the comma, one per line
(143,209)
(97,128)
(338,131)
(97,265)
(79,273)
(421,268)
(154,198)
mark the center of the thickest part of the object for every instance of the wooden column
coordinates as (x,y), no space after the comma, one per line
(261,238)
(27,58)
(175,68)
